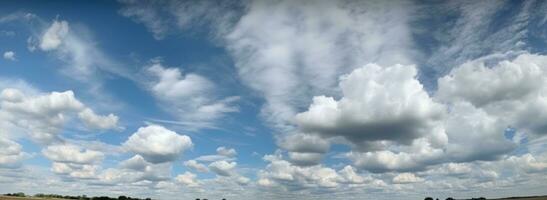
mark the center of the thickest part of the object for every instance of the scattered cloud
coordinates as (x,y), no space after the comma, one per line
(190,97)
(11,154)
(196,166)
(187,179)
(9,55)
(406,178)
(222,167)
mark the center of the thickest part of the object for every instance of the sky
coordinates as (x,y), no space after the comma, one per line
(274,99)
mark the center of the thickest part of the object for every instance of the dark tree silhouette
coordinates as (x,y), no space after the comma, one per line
(428,198)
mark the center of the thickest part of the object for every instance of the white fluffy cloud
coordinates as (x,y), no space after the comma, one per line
(43,116)
(196,166)
(11,154)
(228,152)
(95,121)
(157,144)
(281,173)
(68,153)
(222,167)
(403,178)
(510,91)
(80,171)
(136,162)
(378,104)
(190,96)
(9,55)
(188,179)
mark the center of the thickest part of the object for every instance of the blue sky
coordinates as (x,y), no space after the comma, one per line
(285,99)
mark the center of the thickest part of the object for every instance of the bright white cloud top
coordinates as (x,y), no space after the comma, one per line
(276,100)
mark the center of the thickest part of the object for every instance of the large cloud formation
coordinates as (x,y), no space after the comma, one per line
(378,104)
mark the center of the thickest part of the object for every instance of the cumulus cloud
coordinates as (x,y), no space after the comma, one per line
(222,167)
(42,116)
(228,152)
(11,154)
(189,96)
(9,55)
(68,153)
(378,104)
(196,166)
(136,162)
(188,179)
(80,171)
(515,90)
(282,173)
(157,144)
(95,121)
(304,143)
(136,171)
(403,178)
(73,161)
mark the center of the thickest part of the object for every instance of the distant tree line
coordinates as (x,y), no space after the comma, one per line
(83,197)
(450,198)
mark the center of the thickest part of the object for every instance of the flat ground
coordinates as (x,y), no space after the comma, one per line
(34,198)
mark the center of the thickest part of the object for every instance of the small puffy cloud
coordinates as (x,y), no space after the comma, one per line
(54,35)
(157,144)
(95,121)
(222,168)
(80,171)
(188,96)
(135,163)
(228,152)
(188,179)
(349,175)
(242,180)
(68,153)
(9,55)
(403,178)
(378,104)
(11,154)
(196,166)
